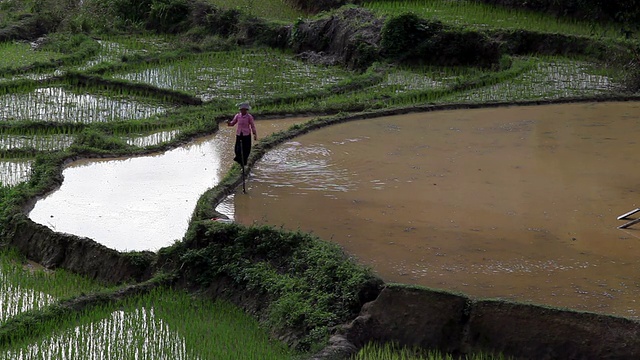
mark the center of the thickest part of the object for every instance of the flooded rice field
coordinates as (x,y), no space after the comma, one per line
(146,336)
(57,104)
(141,203)
(517,203)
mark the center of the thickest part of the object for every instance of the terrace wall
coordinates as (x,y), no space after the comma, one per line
(411,316)
(80,255)
(459,325)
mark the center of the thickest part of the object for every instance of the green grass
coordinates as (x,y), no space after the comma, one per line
(26,286)
(20,54)
(270,9)
(252,74)
(160,325)
(391,351)
(483,16)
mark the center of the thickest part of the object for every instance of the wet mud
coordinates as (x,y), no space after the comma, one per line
(516,203)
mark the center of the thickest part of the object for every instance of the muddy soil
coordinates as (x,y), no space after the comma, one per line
(518,203)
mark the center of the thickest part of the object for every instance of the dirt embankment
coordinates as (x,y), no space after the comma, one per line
(459,325)
(356,38)
(80,255)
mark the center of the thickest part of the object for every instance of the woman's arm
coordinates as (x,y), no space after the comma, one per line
(252,124)
(232,121)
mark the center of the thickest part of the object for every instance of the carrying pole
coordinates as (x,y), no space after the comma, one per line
(244,188)
(627,224)
(626,216)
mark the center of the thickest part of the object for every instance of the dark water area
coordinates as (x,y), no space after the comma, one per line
(516,203)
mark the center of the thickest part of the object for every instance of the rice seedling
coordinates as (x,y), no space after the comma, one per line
(165,324)
(391,351)
(115,48)
(26,286)
(151,139)
(237,75)
(551,78)
(14,171)
(270,9)
(43,142)
(15,299)
(480,15)
(59,104)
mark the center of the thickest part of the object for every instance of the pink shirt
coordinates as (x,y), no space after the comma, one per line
(246,125)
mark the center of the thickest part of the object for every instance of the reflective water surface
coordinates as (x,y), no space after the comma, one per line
(517,203)
(141,203)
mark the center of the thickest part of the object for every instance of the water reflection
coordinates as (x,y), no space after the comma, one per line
(15,299)
(13,172)
(137,334)
(141,203)
(56,104)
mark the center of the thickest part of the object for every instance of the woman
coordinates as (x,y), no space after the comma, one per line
(246,126)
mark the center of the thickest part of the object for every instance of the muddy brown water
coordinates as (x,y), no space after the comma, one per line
(518,203)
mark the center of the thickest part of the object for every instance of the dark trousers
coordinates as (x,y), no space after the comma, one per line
(242,149)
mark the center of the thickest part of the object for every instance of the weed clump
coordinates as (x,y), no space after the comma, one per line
(305,286)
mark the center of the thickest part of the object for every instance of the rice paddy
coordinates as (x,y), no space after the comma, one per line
(42,142)
(27,286)
(241,75)
(152,139)
(14,172)
(47,117)
(548,79)
(59,105)
(116,48)
(480,15)
(148,335)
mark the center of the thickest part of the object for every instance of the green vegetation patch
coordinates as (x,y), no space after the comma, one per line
(270,9)
(160,324)
(391,351)
(25,286)
(21,54)
(252,74)
(306,285)
(483,16)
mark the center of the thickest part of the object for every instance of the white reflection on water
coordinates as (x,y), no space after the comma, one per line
(141,203)
(14,172)
(308,167)
(56,104)
(138,334)
(15,299)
